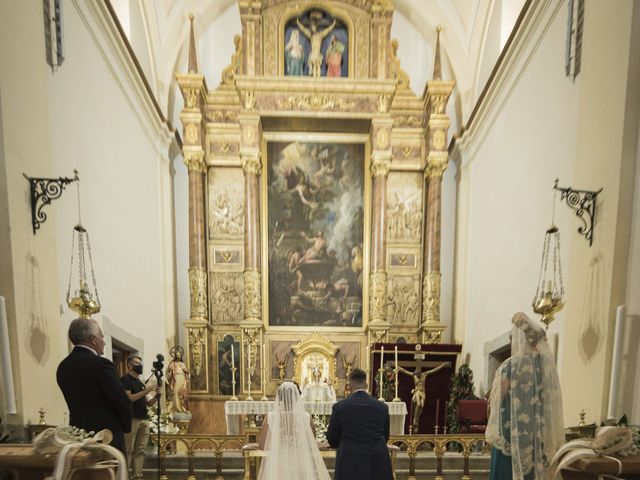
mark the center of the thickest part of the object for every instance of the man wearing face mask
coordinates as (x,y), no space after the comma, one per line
(90,384)
(137,439)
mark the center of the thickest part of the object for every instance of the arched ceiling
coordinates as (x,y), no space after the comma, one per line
(467,46)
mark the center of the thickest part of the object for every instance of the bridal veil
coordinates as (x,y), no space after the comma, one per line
(292,450)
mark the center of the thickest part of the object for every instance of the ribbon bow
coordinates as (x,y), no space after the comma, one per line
(607,441)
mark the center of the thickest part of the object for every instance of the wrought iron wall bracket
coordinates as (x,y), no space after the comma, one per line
(42,192)
(583,202)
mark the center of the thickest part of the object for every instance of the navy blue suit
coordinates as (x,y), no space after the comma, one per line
(359,429)
(94,394)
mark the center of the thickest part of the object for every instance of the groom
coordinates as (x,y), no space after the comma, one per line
(359,429)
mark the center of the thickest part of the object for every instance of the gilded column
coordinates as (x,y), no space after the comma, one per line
(380,164)
(192,87)
(251,18)
(381,16)
(437,96)
(194,91)
(438,123)
(250,133)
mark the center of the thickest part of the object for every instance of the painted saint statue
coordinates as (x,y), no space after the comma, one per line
(294,55)
(333,57)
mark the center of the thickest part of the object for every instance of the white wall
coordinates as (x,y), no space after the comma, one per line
(507,173)
(534,126)
(92,114)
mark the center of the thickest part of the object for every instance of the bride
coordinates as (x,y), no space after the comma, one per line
(287,437)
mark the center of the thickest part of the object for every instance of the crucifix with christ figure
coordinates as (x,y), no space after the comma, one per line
(419,391)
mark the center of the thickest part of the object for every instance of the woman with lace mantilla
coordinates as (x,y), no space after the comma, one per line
(525,421)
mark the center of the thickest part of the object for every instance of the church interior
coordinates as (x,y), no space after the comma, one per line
(263,191)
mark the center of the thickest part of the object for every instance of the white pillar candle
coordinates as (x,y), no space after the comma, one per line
(616,365)
(264,372)
(7,370)
(249,370)
(381,397)
(233,374)
(367,364)
(396,365)
(233,358)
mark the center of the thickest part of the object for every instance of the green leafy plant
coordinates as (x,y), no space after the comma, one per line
(461,389)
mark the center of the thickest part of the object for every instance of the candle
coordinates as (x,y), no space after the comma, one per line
(233,358)
(437,413)
(264,372)
(233,374)
(616,364)
(249,372)
(367,362)
(381,397)
(396,365)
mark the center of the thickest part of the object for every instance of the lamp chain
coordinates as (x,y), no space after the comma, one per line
(93,274)
(558,263)
(79,211)
(73,243)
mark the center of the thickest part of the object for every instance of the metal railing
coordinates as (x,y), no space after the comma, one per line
(192,443)
(252,456)
(439,444)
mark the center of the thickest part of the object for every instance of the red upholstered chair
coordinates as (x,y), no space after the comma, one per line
(472,415)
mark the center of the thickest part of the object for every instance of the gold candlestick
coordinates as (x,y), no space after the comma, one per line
(233,384)
(381,372)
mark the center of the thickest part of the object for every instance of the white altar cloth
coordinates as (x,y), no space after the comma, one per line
(234,409)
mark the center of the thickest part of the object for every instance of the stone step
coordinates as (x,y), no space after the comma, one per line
(233,466)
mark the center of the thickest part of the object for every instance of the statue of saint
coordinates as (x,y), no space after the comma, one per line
(419,391)
(178,379)
(333,57)
(294,55)
(317,389)
(315,37)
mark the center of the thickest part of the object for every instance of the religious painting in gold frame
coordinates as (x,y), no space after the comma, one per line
(316,219)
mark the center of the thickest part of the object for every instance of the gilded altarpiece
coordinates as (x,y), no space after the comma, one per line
(315,173)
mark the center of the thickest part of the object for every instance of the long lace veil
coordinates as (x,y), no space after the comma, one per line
(292,450)
(526,403)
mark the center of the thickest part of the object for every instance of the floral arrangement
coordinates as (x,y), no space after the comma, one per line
(320,425)
(166,424)
(73,434)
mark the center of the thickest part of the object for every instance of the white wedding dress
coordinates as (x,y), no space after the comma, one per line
(292,450)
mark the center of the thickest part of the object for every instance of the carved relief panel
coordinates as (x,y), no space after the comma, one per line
(404,207)
(226,294)
(226,203)
(403,303)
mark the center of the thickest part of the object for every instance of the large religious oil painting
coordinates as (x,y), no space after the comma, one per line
(316,45)
(315,203)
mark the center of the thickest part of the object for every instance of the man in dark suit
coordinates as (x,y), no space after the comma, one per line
(91,386)
(359,429)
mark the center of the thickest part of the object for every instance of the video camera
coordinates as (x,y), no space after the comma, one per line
(158,367)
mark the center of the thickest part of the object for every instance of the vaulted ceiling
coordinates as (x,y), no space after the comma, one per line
(473,36)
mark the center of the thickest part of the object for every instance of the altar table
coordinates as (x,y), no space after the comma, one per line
(234,409)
